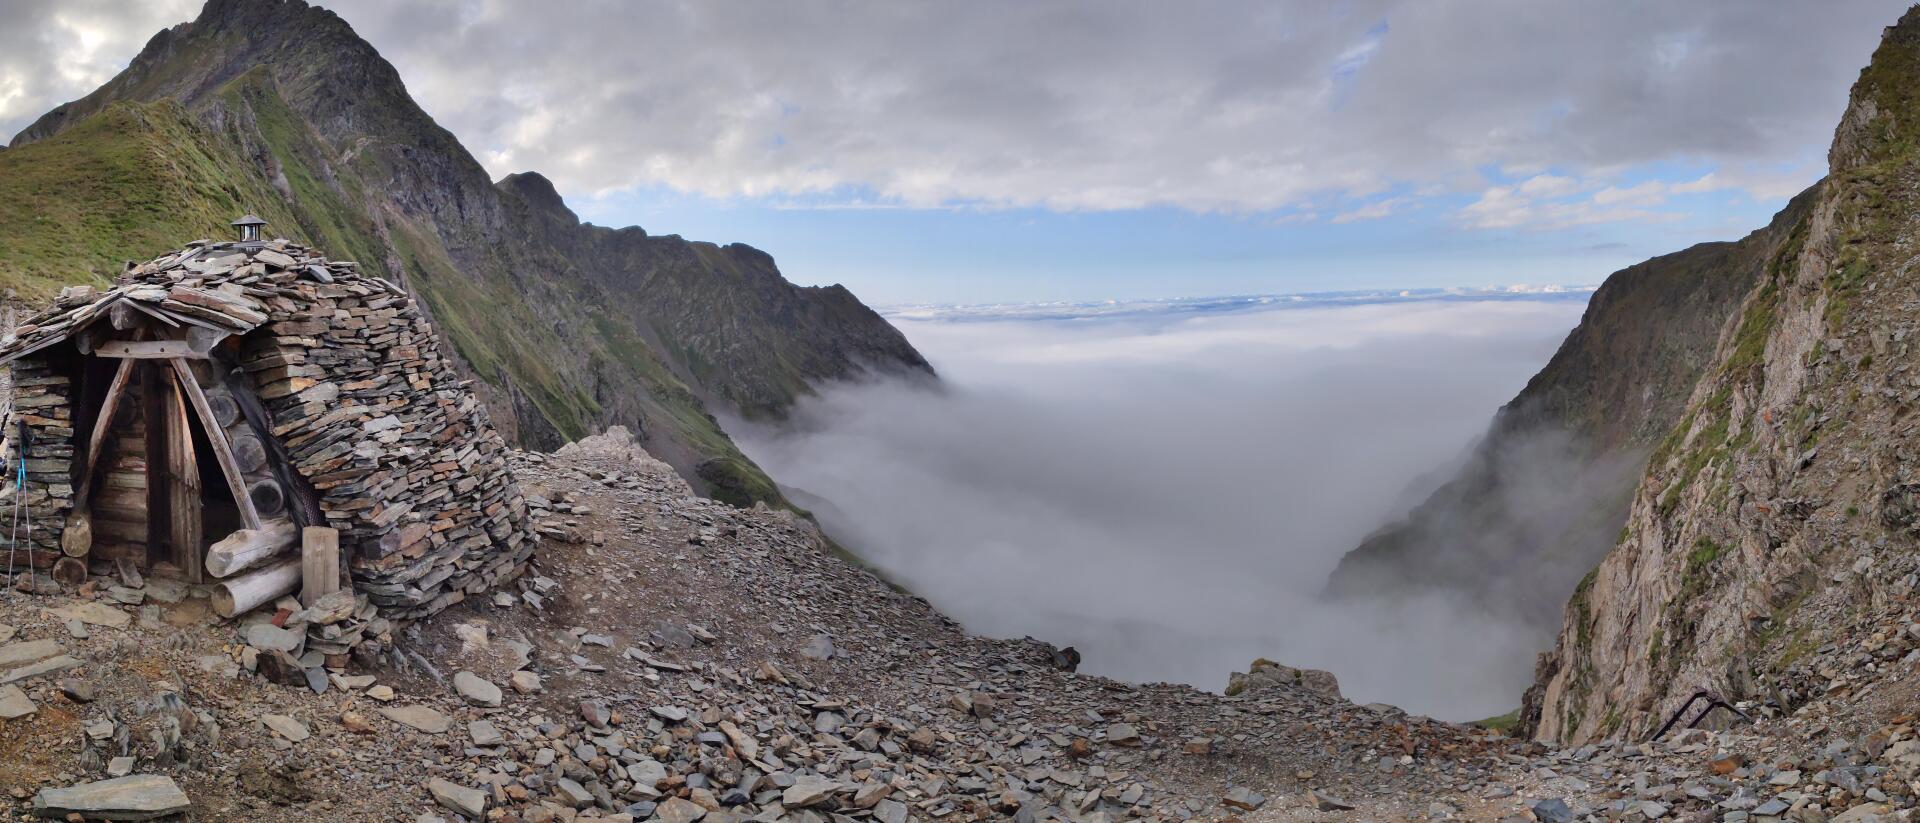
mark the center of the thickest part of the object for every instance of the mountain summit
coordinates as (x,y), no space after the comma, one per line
(280,108)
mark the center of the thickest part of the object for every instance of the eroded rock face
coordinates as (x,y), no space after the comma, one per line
(1779,507)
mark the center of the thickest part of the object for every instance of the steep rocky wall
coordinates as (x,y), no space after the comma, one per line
(1784,501)
(1543,495)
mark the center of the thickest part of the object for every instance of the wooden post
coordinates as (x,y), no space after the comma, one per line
(247,548)
(236,482)
(183,491)
(319,563)
(237,595)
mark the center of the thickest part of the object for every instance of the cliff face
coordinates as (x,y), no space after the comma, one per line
(1786,500)
(277,107)
(1542,496)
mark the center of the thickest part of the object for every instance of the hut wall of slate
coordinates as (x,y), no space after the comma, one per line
(40,400)
(404,458)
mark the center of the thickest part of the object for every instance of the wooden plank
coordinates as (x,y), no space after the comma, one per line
(319,563)
(9,357)
(155,313)
(237,482)
(147,349)
(247,548)
(183,489)
(237,595)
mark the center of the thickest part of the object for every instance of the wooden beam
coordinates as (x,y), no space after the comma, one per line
(236,482)
(109,406)
(247,548)
(319,563)
(238,595)
(148,349)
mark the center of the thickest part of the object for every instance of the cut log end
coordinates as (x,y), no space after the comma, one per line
(77,539)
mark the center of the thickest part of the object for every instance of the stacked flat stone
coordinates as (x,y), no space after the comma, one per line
(39,402)
(402,457)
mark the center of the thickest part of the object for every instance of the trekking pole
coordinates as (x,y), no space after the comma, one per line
(13,534)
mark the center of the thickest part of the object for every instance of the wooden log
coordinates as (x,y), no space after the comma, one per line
(247,548)
(147,349)
(268,498)
(123,315)
(238,595)
(70,570)
(319,563)
(249,453)
(225,411)
(203,340)
(236,482)
(77,539)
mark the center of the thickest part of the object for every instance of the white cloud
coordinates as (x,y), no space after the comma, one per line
(1178,539)
(1513,207)
(1373,211)
(1237,106)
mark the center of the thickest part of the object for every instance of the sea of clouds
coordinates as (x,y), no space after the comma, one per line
(1166,486)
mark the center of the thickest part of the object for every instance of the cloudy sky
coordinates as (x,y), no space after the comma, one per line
(1000,150)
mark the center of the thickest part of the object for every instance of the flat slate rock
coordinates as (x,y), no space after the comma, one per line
(476,690)
(466,800)
(135,797)
(47,666)
(15,704)
(31,651)
(94,614)
(285,726)
(423,718)
(268,637)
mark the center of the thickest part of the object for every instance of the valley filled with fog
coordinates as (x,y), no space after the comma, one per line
(1165,486)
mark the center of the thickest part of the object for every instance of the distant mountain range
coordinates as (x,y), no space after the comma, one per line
(1175,306)
(279,108)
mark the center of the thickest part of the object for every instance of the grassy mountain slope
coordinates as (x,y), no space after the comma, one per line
(280,108)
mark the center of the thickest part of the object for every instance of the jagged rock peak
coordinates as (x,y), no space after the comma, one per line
(539,193)
(1883,114)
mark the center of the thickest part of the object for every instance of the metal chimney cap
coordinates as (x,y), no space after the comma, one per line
(250,220)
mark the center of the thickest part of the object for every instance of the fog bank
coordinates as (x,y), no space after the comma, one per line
(1167,489)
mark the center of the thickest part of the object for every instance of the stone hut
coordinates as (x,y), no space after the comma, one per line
(226,407)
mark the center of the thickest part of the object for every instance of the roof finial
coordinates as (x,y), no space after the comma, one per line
(249,225)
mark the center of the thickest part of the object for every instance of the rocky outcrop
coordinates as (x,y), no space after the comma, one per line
(279,108)
(1266,674)
(1780,506)
(1543,495)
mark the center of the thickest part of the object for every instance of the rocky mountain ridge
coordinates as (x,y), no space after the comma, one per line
(1779,511)
(278,107)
